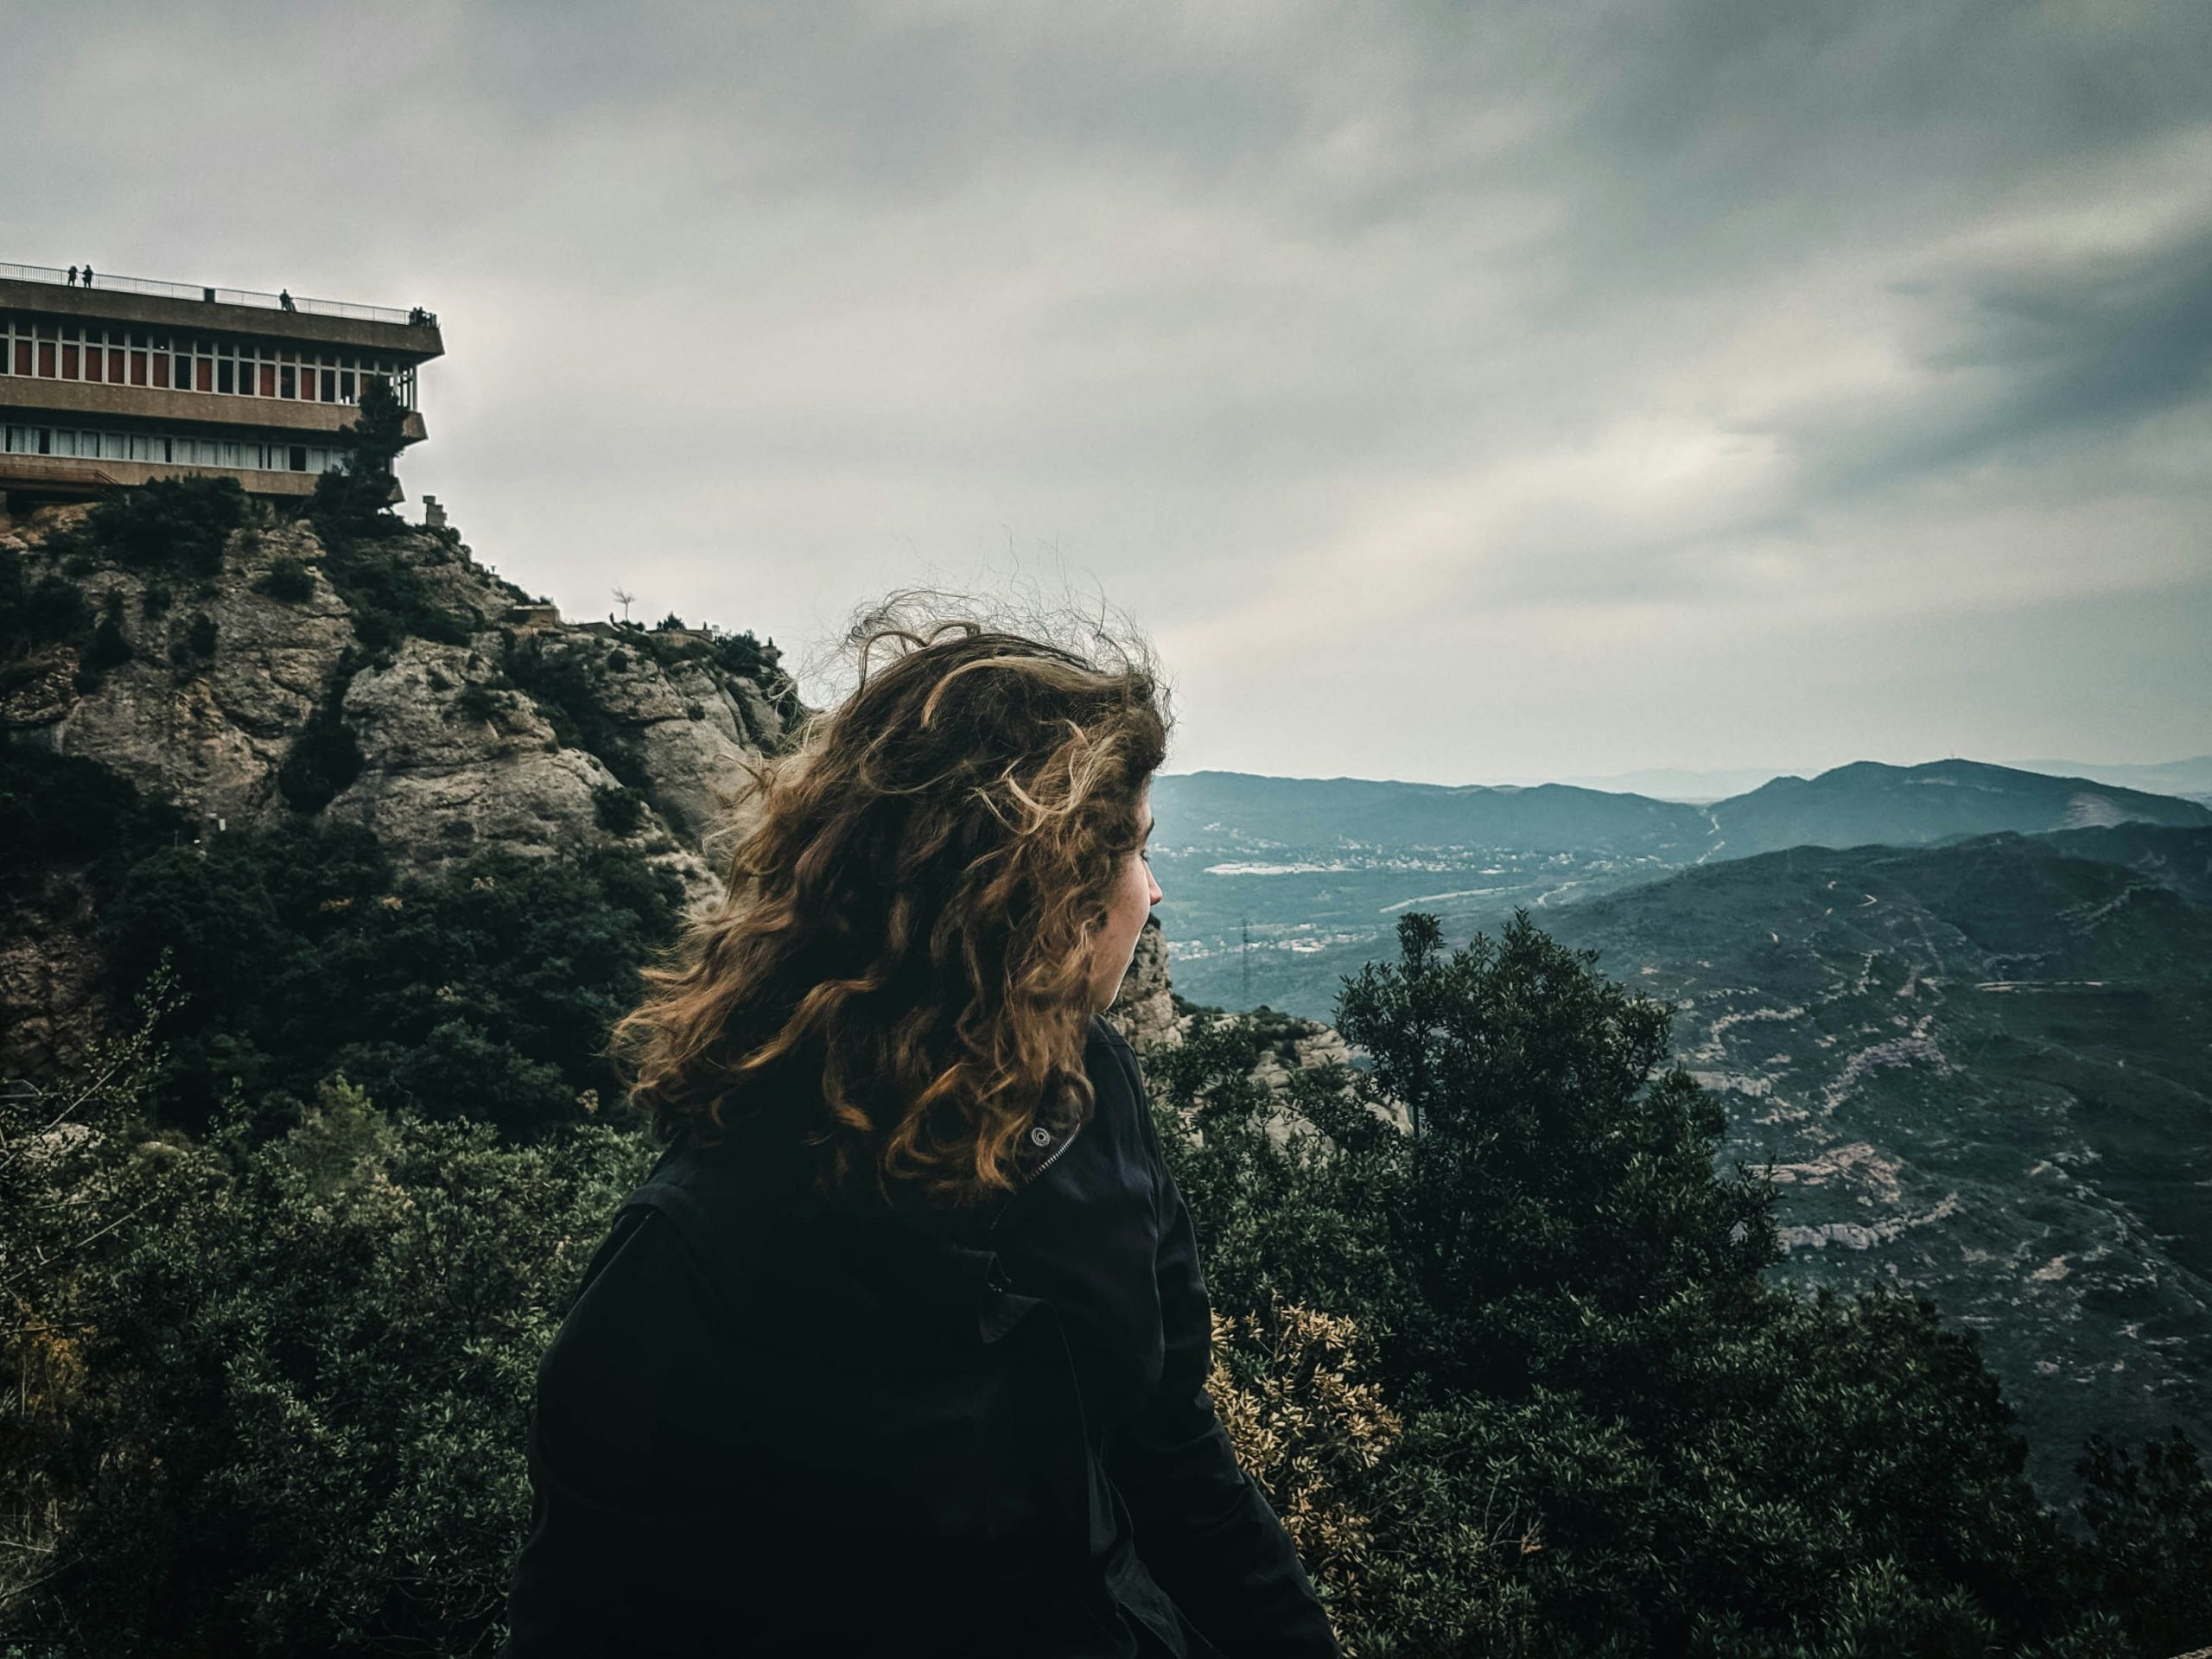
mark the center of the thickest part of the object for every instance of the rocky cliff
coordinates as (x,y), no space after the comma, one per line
(395,683)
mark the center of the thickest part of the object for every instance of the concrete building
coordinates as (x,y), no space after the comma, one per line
(123,381)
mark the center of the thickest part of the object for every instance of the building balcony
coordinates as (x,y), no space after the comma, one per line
(132,300)
(31,396)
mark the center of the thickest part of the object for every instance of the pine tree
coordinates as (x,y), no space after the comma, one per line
(355,498)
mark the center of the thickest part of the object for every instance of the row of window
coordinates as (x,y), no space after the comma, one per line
(244,454)
(69,350)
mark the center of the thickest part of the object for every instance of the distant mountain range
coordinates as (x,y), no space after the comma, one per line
(2192,779)
(1276,885)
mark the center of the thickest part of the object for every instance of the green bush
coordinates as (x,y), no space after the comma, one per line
(180,524)
(323,758)
(388,598)
(2150,1524)
(36,613)
(485,993)
(273,1387)
(62,808)
(107,649)
(302,1423)
(620,811)
(562,684)
(287,579)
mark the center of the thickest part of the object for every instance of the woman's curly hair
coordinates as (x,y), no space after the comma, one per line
(896,971)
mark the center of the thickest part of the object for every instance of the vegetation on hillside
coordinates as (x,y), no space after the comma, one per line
(1513,1379)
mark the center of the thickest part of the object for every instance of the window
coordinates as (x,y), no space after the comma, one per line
(287,382)
(299,458)
(226,376)
(330,385)
(69,363)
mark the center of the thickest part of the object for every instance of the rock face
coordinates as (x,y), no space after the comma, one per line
(443,780)
(208,734)
(505,728)
(1144,1012)
(459,751)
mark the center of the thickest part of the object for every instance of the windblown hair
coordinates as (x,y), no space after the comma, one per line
(897,971)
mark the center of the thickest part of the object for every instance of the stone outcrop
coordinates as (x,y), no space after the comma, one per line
(208,734)
(443,779)
(457,753)
(1144,1012)
(515,731)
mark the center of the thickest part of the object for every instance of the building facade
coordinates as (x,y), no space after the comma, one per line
(115,383)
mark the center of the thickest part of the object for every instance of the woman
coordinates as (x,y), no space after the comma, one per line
(902,1348)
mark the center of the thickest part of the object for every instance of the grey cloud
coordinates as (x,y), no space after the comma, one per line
(1344,319)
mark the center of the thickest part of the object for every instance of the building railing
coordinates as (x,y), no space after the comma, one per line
(417,318)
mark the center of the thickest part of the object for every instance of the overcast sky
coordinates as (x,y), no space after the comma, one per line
(1455,393)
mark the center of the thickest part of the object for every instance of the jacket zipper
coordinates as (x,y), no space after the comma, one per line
(1066,1140)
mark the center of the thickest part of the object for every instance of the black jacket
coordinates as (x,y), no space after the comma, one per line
(772,1423)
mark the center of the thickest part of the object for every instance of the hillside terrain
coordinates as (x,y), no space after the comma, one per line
(1983,1072)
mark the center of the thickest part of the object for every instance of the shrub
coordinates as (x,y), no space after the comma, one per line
(480,702)
(310,1381)
(287,579)
(179,523)
(559,681)
(485,992)
(324,758)
(108,648)
(36,613)
(620,811)
(388,598)
(2150,1524)
(61,808)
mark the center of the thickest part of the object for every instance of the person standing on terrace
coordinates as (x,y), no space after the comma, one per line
(902,1347)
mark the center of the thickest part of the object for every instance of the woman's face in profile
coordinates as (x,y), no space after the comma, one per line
(1134,894)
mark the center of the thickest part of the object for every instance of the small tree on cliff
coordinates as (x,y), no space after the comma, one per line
(355,497)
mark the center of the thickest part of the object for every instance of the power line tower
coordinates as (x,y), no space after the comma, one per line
(1245,957)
